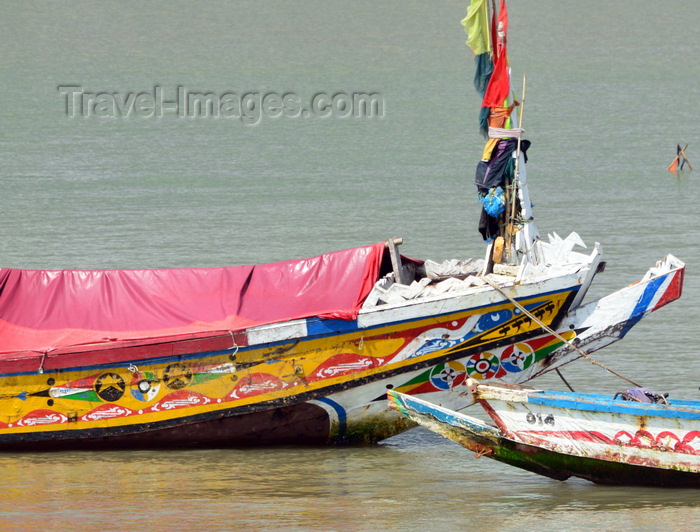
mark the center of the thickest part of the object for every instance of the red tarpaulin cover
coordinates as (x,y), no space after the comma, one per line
(42,310)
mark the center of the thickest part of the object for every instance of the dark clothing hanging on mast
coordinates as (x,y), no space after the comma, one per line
(493,173)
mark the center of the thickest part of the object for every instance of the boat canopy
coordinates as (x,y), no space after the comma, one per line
(46,310)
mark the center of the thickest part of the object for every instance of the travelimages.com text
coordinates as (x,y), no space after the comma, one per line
(248,107)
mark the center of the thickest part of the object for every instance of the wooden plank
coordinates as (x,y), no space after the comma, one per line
(399,273)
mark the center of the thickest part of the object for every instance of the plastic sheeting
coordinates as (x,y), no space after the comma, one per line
(43,310)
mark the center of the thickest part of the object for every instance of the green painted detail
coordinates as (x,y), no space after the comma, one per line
(212,373)
(420,379)
(561,466)
(546,351)
(83,396)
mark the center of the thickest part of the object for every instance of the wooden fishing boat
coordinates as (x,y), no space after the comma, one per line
(290,352)
(617,440)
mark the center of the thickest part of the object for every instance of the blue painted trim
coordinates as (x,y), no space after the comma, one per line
(320,327)
(446,416)
(333,327)
(643,304)
(605,404)
(340,412)
(316,328)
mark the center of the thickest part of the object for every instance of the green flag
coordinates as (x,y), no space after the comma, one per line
(476,24)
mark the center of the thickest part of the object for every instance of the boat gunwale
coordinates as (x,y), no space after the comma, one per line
(238,340)
(686,409)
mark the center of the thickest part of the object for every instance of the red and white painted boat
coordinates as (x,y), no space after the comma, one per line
(633,438)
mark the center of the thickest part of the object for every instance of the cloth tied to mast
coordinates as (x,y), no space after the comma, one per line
(500,133)
(498,117)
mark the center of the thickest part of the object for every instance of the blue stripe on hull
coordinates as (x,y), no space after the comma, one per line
(604,404)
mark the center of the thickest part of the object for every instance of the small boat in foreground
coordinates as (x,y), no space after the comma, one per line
(636,437)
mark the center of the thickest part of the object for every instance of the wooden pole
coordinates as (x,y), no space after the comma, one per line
(673,167)
(514,195)
(686,159)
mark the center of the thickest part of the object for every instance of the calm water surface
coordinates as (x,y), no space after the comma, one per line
(610,92)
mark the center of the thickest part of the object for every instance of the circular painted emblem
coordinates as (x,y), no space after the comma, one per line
(110,387)
(144,386)
(177,376)
(448,375)
(517,357)
(483,366)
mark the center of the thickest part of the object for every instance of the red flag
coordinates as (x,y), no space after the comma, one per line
(502,28)
(498,88)
(674,165)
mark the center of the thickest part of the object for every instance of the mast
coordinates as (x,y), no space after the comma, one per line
(501,179)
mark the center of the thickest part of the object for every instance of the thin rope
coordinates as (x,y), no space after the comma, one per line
(554,333)
(235,345)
